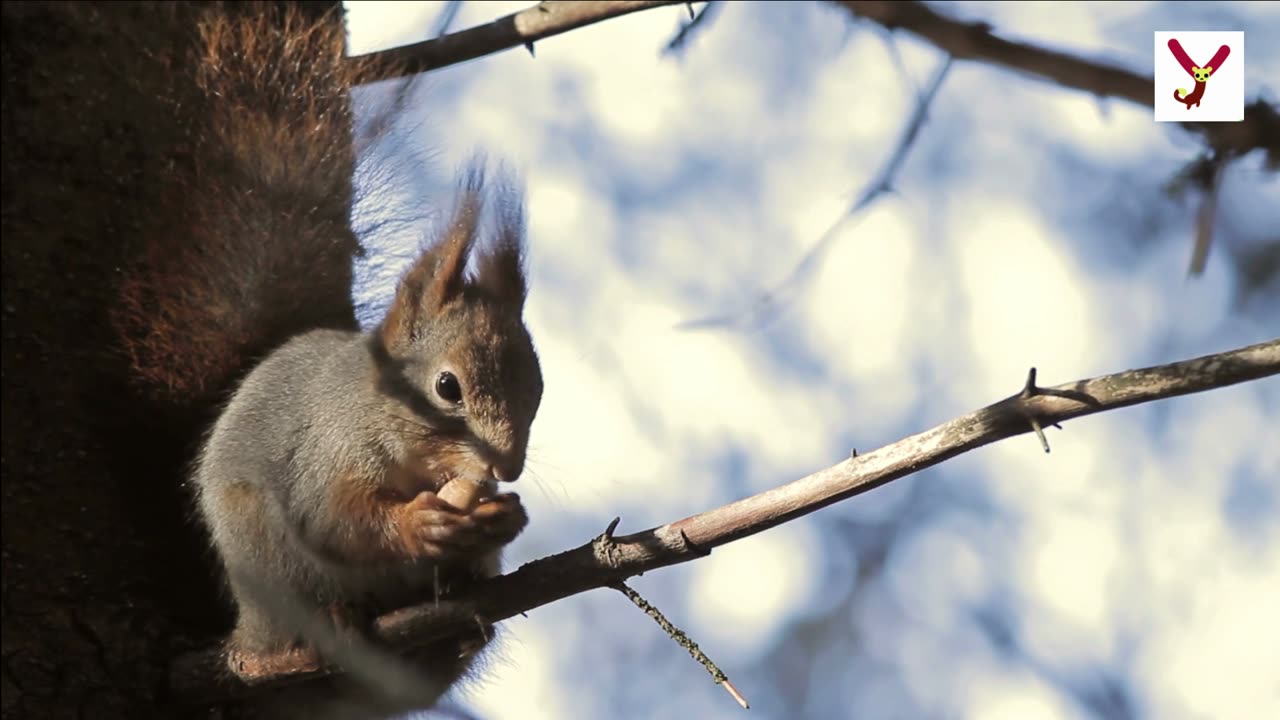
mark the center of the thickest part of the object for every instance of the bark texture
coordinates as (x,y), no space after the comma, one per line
(105,579)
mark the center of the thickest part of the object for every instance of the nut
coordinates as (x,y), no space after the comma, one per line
(465,493)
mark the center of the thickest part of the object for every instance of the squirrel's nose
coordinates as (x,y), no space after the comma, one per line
(507,471)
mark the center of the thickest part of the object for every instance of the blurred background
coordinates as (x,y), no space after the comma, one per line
(713,321)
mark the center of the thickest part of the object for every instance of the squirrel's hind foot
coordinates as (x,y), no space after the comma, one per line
(249,665)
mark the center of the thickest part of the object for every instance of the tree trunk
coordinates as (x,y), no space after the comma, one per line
(106,578)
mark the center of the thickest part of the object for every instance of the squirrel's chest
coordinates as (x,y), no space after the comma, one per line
(414,470)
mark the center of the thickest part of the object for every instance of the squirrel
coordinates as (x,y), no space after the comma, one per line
(1201,76)
(320,482)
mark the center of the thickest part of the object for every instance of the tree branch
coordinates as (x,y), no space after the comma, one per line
(963,40)
(608,560)
(544,20)
(975,41)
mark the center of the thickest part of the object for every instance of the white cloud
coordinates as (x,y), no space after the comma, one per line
(1101,129)
(1016,696)
(527,688)
(1217,652)
(709,389)
(739,591)
(571,223)
(1075,25)
(588,442)
(1027,298)
(1070,570)
(374,25)
(938,573)
(859,308)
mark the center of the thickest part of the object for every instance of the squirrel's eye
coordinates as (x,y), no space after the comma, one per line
(448,389)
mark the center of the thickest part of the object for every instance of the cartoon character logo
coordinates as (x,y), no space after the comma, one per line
(1199,74)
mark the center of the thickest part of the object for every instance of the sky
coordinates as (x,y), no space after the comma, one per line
(1131,573)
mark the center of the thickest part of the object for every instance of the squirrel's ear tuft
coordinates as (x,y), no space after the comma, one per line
(438,277)
(500,269)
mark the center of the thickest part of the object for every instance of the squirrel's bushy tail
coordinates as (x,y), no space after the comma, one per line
(252,243)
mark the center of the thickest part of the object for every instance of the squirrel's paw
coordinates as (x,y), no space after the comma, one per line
(501,518)
(435,529)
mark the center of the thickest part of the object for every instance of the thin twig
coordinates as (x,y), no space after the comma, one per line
(1029,390)
(447,16)
(696,24)
(1039,431)
(1207,214)
(766,304)
(610,559)
(683,640)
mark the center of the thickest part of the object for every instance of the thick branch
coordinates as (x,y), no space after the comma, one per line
(975,41)
(608,560)
(548,18)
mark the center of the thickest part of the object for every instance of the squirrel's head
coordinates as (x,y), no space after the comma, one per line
(1201,74)
(456,351)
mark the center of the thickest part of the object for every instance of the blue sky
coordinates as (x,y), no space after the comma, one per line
(1124,575)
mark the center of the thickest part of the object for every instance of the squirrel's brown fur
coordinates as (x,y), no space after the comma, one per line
(251,242)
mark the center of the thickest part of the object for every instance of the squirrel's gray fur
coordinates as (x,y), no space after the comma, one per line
(318,480)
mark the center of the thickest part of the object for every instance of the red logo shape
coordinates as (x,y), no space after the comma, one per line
(1198,73)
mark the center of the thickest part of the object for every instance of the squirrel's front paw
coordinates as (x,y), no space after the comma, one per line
(435,529)
(501,518)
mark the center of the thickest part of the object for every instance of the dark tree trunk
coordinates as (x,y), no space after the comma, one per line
(105,576)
